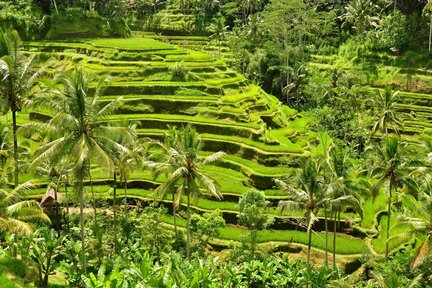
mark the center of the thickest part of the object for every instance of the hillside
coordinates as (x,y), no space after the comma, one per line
(261,137)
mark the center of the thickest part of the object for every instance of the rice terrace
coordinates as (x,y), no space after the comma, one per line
(230,143)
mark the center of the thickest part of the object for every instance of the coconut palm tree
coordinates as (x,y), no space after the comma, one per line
(178,158)
(17,79)
(307,194)
(360,14)
(338,185)
(16,213)
(417,218)
(393,171)
(253,27)
(386,102)
(248,7)
(126,164)
(218,31)
(345,187)
(77,133)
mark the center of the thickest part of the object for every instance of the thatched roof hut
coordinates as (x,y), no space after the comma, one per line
(50,196)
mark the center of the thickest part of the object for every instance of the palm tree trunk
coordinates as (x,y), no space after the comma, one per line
(430,35)
(94,198)
(15,147)
(309,245)
(114,211)
(125,199)
(55,6)
(81,217)
(188,227)
(326,235)
(334,240)
(67,206)
(253,235)
(388,220)
(174,214)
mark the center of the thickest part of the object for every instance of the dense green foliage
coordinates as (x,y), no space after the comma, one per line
(162,160)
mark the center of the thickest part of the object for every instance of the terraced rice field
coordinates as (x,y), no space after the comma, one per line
(258,133)
(413,108)
(414,105)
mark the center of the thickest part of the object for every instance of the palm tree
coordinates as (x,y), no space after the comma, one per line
(360,13)
(248,7)
(310,196)
(77,133)
(179,159)
(253,27)
(417,218)
(218,30)
(345,185)
(386,102)
(16,214)
(392,171)
(5,148)
(17,78)
(125,165)
(338,185)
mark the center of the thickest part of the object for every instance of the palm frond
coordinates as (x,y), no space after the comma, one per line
(209,184)
(421,253)
(213,158)
(289,205)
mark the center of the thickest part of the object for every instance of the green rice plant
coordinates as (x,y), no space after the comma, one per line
(191,56)
(347,245)
(286,148)
(137,43)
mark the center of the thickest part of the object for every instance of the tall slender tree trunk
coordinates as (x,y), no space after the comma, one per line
(56,210)
(334,239)
(309,245)
(188,227)
(81,217)
(55,6)
(430,35)
(125,198)
(115,211)
(15,147)
(326,235)
(388,220)
(253,234)
(67,205)
(94,198)
(174,214)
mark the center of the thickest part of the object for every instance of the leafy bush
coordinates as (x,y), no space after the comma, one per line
(179,71)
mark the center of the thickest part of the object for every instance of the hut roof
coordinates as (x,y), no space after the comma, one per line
(50,194)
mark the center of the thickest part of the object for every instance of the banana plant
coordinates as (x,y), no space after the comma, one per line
(101,280)
(44,250)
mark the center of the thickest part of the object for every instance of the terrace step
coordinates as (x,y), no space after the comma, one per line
(162,121)
(161,87)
